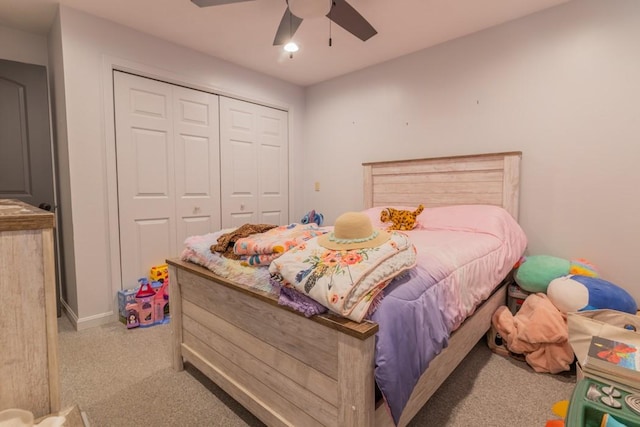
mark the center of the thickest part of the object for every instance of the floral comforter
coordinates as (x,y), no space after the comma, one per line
(346,282)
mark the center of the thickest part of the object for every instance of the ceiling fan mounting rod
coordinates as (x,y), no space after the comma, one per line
(330,40)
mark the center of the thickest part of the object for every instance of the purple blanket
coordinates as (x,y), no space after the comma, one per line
(411,340)
(299,301)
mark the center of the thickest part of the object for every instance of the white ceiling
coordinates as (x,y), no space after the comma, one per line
(242,33)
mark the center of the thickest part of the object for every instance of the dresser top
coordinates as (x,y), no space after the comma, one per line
(16,215)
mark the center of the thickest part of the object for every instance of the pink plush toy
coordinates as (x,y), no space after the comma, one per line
(538,331)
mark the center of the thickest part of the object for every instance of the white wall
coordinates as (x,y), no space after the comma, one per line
(562,86)
(21,46)
(89,47)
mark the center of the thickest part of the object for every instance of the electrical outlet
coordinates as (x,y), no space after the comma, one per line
(317,186)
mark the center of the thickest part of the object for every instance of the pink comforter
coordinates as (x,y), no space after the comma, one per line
(463,253)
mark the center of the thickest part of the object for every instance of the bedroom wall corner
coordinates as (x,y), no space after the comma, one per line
(69,295)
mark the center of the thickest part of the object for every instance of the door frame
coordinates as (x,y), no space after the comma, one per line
(111,64)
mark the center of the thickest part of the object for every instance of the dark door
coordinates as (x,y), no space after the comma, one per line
(26,166)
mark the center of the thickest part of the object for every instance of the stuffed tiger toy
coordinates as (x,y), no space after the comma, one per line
(400,219)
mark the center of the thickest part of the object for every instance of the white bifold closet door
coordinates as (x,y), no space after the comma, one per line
(168,167)
(254,169)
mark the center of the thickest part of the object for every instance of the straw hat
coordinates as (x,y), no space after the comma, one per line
(353,230)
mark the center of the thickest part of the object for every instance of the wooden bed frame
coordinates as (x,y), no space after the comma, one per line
(289,370)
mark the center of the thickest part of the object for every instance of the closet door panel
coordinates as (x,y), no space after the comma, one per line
(254,171)
(239,166)
(243,183)
(146,190)
(273,177)
(197,162)
(168,162)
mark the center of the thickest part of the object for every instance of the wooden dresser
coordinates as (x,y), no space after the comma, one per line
(29,372)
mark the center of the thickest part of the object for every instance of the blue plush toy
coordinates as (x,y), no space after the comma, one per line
(578,293)
(312,216)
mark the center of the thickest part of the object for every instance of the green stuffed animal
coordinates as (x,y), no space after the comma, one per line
(535,272)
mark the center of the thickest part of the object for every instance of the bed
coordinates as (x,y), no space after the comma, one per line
(290,370)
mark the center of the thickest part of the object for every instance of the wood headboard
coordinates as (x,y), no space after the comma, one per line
(489,179)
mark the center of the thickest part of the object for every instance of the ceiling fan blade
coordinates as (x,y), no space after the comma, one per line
(206,3)
(343,14)
(287,28)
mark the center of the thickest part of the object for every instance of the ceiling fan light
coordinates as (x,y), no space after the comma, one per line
(305,9)
(291,47)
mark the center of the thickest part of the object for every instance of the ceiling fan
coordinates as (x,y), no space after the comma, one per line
(338,11)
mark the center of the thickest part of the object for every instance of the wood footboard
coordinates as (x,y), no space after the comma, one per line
(289,370)
(286,369)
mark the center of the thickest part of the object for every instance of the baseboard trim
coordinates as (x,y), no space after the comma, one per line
(88,322)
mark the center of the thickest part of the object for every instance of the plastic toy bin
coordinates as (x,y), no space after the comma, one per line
(515,297)
(584,412)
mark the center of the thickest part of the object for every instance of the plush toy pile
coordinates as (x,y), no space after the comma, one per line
(572,285)
(556,286)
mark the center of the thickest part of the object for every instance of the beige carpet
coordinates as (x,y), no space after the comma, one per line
(124,378)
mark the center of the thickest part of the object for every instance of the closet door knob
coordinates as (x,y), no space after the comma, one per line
(242,207)
(196,209)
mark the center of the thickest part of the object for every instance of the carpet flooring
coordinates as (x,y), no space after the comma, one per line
(122,378)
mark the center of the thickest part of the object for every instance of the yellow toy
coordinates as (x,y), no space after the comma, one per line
(400,219)
(159,272)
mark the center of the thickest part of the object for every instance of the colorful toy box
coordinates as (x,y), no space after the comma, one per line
(126,297)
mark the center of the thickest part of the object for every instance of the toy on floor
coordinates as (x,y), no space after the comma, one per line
(401,219)
(161,304)
(571,285)
(159,273)
(559,409)
(535,272)
(538,331)
(144,298)
(148,303)
(597,403)
(578,293)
